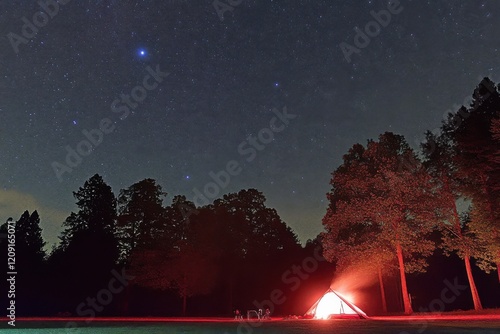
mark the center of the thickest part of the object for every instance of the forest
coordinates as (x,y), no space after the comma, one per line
(411,218)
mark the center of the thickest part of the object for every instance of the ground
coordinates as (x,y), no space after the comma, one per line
(448,324)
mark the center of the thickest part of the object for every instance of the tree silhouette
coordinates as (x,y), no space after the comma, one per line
(495,130)
(29,241)
(192,267)
(252,236)
(97,210)
(141,215)
(257,229)
(476,157)
(189,265)
(29,263)
(89,249)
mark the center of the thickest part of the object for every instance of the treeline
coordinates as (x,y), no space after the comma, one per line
(392,209)
(131,255)
(394,213)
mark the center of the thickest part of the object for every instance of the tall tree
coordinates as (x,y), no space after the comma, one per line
(476,157)
(439,152)
(97,210)
(495,160)
(357,245)
(253,235)
(178,217)
(29,241)
(259,230)
(383,189)
(351,241)
(29,263)
(189,266)
(217,247)
(141,215)
(192,267)
(89,249)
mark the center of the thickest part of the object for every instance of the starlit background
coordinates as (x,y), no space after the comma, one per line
(225,78)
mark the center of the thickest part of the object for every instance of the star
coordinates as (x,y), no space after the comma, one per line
(186,122)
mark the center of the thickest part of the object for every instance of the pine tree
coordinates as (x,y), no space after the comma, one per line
(29,241)
(97,211)
(141,216)
(88,251)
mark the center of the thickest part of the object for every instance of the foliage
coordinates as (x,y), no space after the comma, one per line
(29,241)
(141,216)
(475,154)
(377,201)
(97,211)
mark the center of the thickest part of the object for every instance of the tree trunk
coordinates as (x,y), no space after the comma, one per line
(230,286)
(184,295)
(472,284)
(404,288)
(498,271)
(382,290)
(498,267)
(184,304)
(475,295)
(126,302)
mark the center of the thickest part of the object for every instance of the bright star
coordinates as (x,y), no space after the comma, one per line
(142,52)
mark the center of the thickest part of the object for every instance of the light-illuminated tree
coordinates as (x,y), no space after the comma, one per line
(356,245)
(440,162)
(384,190)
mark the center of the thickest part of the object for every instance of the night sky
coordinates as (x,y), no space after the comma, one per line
(227,80)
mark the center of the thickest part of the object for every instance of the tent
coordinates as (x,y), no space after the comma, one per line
(332,305)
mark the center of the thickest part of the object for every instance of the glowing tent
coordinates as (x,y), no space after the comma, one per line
(333,306)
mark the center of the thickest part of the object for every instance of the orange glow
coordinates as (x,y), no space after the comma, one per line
(347,296)
(331,304)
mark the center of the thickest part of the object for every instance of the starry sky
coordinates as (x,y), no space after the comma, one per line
(181,88)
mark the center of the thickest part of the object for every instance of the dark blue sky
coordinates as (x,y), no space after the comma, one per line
(225,78)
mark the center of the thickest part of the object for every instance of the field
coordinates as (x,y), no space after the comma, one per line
(386,325)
